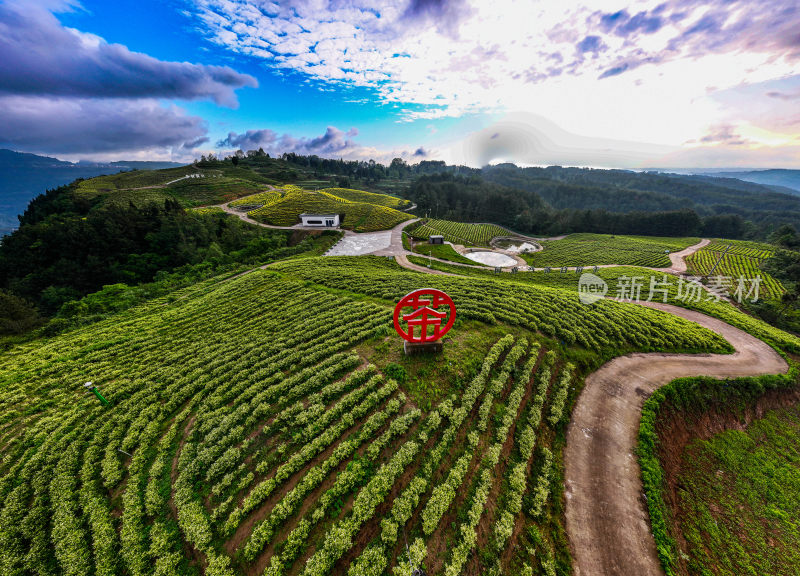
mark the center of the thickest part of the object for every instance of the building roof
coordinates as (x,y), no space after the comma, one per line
(318,215)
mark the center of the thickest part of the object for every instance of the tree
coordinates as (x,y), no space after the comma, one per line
(16,315)
(786,236)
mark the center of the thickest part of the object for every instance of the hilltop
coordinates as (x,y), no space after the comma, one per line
(23,176)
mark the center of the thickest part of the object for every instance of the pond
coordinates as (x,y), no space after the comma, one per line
(491,258)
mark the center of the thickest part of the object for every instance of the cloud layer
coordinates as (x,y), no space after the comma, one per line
(64,91)
(660,71)
(334,143)
(456,56)
(73,126)
(39,56)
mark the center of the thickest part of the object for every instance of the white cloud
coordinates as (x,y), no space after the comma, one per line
(334,143)
(644,71)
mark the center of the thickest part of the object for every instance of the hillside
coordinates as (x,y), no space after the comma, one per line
(23,176)
(784,178)
(274,421)
(625,191)
(543,201)
(263,418)
(360,211)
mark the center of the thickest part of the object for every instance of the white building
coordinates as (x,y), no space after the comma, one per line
(322,220)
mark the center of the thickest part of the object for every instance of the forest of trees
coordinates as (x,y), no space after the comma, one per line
(474,199)
(745,210)
(575,199)
(67,247)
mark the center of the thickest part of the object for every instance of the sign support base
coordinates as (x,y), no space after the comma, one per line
(412,348)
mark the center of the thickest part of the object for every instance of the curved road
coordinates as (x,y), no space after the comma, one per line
(607,522)
(679,258)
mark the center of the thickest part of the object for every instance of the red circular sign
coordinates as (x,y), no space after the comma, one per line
(431,308)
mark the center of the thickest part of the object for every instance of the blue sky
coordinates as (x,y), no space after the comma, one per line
(681,84)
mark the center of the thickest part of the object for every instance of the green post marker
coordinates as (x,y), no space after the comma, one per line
(91,387)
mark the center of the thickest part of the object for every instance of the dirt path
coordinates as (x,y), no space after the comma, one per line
(607,521)
(402,260)
(679,258)
(225,207)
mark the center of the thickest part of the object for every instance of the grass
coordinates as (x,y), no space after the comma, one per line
(442,251)
(728,509)
(740,502)
(596,249)
(206,186)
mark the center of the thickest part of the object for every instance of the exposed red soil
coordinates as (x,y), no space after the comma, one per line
(676,430)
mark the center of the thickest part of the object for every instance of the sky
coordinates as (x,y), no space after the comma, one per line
(612,84)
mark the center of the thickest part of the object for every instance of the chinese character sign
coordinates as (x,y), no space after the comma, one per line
(427,315)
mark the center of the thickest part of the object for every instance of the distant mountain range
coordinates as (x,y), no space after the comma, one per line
(774,178)
(23,176)
(761,196)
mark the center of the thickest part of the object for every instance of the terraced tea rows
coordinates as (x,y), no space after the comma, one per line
(756,250)
(368,197)
(554,312)
(245,435)
(358,216)
(261,200)
(459,232)
(596,249)
(742,260)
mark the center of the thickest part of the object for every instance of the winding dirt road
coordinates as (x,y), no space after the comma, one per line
(607,520)
(608,523)
(679,258)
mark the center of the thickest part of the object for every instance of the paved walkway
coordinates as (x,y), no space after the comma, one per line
(353,244)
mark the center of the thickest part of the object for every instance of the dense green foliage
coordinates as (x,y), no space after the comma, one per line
(23,176)
(603,327)
(729,483)
(727,212)
(598,249)
(68,247)
(267,421)
(473,199)
(16,315)
(616,276)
